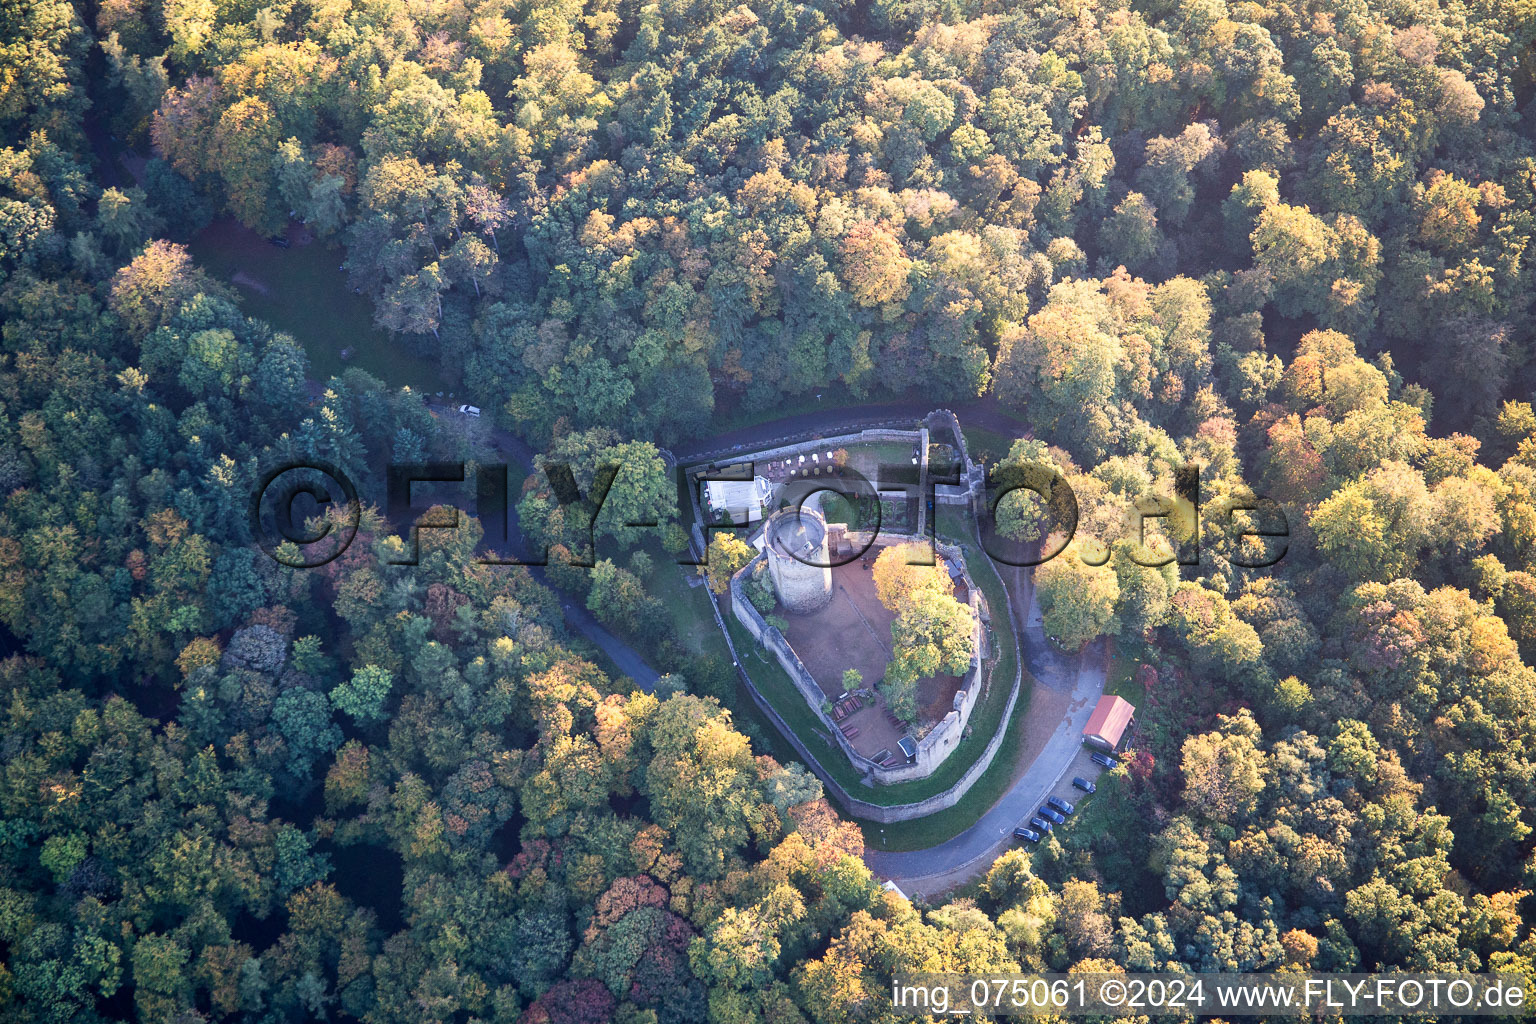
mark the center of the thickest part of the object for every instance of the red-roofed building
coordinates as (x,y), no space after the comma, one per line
(1107,725)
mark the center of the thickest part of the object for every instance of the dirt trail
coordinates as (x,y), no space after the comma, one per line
(245,280)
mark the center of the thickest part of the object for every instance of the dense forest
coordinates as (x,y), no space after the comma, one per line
(1286,241)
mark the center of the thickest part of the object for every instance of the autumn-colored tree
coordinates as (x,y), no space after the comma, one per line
(155,284)
(1077,599)
(932,634)
(902,570)
(874,265)
(726,554)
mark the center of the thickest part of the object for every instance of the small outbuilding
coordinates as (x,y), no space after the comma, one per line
(1108,724)
(742,501)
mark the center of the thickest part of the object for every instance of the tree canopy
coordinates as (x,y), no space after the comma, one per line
(1282,250)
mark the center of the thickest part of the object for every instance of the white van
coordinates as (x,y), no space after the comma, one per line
(470,410)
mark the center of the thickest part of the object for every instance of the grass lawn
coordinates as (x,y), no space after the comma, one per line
(869,459)
(921,833)
(953,523)
(306,296)
(837,509)
(777,688)
(1122,667)
(987,445)
(692,621)
(695,625)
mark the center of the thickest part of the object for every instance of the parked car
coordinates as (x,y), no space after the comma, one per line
(1050,815)
(280,241)
(1040,824)
(470,410)
(1060,804)
(1084,785)
(1028,835)
(1102,759)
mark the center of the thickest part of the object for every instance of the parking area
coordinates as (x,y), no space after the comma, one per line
(1082,767)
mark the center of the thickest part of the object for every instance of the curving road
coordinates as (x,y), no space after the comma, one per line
(982,412)
(1079,677)
(628,660)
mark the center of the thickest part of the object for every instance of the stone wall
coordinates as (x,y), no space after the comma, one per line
(942,739)
(881,813)
(775,643)
(826,444)
(933,748)
(964,493)
(802,580)
(943,494)
(945,419)
(884,814)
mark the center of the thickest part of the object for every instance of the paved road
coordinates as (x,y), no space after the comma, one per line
(980,412)
(970,853)
(1082,676)
(628,660)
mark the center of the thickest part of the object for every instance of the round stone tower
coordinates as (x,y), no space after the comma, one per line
(793,538)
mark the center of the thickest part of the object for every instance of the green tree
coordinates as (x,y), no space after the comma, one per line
(303,718)
(1037,501)
(365,695)
(642,492)
(1130,237)
(1224,771)
(726,555)
(1077,600)
(702,783)
(932,633)
(617,597)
